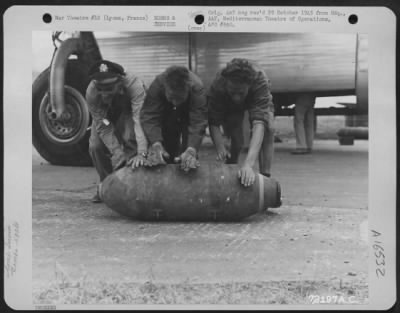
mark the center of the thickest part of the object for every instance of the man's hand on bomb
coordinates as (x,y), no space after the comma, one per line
(157,155)
(222,153)
(188,159)
(246,175)
(137,161)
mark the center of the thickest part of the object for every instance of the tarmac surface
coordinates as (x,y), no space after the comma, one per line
(319,232)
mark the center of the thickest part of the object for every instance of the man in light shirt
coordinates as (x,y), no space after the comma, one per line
(115,100)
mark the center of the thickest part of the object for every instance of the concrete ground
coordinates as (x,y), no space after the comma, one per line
(318,234)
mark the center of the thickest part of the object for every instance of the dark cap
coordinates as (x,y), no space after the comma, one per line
(106,69)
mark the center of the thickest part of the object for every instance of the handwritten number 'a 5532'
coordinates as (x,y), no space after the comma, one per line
(379,253)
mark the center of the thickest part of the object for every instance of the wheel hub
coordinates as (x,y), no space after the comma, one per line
(67,126)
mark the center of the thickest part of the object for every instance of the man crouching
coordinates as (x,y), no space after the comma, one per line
(174,118)
(242,86)
(115,100)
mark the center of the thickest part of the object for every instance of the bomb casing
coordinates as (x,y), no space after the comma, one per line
(211,192)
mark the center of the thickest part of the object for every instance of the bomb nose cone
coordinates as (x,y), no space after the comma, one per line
(271,197)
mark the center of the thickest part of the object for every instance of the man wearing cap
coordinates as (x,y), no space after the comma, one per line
(174,118)
(242,85)
(115,100)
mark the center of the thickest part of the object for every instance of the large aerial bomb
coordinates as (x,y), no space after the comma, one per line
(211,192)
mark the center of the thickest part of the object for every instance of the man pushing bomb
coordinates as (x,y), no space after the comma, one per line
(115,100)
(174,118)
(242,86)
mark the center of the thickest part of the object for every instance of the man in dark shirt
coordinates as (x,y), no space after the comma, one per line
(115,100)
(174,118)
(242,86)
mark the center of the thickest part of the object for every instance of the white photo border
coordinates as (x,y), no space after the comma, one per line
(379,23)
